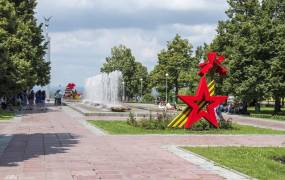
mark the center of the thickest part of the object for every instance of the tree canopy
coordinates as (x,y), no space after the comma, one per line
(176,61)
(22,48)
(121,59)
(252,38)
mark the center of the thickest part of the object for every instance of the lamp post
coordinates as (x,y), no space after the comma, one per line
(47,20)
(141,79)
(166,75)
(123,91)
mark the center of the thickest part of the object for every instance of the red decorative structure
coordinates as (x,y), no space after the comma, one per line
(70,91)
(213,61)
(203,103)
(197,113)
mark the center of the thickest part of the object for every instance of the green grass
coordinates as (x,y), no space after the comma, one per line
(5,115)
(121,127)
(255,162)
(267,113)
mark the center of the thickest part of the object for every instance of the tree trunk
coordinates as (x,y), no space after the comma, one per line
(277,105)
(282,103)
(256,106)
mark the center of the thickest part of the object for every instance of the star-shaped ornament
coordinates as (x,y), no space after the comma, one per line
(202,94)
(213,61)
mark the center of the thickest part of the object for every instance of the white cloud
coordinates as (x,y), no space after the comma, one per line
(86,49)
(84,31)
(132,6)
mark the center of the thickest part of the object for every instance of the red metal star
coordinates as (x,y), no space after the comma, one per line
(202,94)
(213,60)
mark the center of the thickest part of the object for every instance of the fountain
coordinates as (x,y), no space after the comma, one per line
(103,90)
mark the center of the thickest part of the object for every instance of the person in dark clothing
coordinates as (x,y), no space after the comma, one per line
(43,100)
(38,97)
(31,98)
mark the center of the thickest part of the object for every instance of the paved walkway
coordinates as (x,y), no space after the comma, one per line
(55,145)
(258,122)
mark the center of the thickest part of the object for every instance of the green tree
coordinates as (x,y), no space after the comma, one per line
(176,61)
(32,42)
(121,59)
(240,39)
(273,29)
(21,48)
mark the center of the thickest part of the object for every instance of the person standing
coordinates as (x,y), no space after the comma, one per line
(43,100)
(38,98)
(31,99)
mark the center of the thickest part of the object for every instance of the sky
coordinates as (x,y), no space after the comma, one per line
(83,32)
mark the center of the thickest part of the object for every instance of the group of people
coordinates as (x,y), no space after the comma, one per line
(38,98)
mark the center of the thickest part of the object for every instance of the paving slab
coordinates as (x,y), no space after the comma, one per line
(57,145)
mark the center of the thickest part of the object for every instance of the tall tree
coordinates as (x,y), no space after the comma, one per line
(21,48)
(239,39)
(176,61)
(121,59)
(273,34)
(32,42)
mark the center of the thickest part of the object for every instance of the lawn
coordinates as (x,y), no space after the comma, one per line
(121,127)
(5,115)
(262,162)
(266,112)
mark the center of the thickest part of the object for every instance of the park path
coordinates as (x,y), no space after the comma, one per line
(258,122)
(56,145)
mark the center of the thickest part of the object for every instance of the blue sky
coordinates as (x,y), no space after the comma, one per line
(84,31)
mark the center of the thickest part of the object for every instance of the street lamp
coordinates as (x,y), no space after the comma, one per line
(47,38)
(141,79)
(166,75)
(123,91)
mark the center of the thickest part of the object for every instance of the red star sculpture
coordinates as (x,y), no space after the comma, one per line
(213,60)
(197,113)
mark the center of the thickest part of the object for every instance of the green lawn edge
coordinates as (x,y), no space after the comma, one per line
(256,162)
(4,115)
(121,127)
(267,113)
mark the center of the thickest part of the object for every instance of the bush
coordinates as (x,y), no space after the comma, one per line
(148,98)
(160,122)
(205,125)
(132,120)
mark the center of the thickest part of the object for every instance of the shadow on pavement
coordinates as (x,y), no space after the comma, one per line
(28,146)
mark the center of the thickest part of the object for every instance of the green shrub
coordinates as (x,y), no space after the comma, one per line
(148,98)
(132,120)
(205,125)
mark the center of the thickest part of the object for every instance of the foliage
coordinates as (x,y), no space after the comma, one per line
(131,120)
(267,113)
(252,38)
(121,59)
(257,162)
(176,61)
(121,127)
(205,125)
(22,48)
(4,115)
(148,98)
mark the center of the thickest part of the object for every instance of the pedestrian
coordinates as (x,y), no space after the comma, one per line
(43,100)
(38,98)
(31,98)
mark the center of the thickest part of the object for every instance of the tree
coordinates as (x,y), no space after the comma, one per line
(32,42)
(239,38)
(21,48)
(273,28)
(121,59)
(176,61)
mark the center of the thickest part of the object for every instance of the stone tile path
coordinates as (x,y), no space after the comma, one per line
(55,145)
(258,122)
